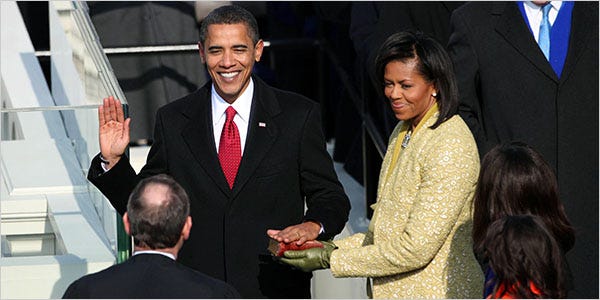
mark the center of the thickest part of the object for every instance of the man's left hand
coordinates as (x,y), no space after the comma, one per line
(300,233)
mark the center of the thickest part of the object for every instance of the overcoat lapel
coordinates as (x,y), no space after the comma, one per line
(262,132)
(581,19)
(514,30)
(198,135)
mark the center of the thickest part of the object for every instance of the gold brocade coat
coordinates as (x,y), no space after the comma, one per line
(419,241)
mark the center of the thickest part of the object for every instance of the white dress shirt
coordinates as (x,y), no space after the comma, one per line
(534,15)
(241,105)
(169,255)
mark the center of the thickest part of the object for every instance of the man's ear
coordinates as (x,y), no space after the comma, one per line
(258,50)
(201,50)
(187,226)
(126,224)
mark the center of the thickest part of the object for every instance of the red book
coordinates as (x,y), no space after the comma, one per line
(277,248)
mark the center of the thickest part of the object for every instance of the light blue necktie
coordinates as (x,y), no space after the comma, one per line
(544,37)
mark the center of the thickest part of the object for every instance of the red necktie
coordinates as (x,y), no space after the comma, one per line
(230,149)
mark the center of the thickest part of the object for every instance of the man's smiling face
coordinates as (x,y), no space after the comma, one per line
(230,54)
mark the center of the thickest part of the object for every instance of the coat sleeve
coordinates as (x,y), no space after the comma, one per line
(448,179)
(466,68)
(116,184)
(326,200)
(75,291)
(356,240)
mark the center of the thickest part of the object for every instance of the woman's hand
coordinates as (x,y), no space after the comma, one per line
(310,259)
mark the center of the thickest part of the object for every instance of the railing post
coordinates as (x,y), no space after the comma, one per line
(123,240)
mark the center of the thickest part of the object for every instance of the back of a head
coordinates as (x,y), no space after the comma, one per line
(433,63)
(522,252)
(515,179)
(230,14)
(157,210)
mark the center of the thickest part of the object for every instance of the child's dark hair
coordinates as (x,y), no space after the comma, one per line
(515,180)
(526,258)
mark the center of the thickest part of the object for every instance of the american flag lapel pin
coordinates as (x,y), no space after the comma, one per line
(262,124)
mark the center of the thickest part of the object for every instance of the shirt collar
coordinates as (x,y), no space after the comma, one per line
(538,9)
(169,255)
(241,105)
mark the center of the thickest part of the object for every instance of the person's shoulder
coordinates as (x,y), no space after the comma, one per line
(203,282)
(282,95)
(198,277)
(587,5)
(454,125)
(455,131)
(479,10)
(188,102)
(92,279)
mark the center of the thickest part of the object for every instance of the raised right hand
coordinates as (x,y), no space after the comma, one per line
(114,130)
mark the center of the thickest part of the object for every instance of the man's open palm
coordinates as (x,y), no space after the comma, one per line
(114,130)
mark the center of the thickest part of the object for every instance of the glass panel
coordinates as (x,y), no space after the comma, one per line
(80,44)
(59,164)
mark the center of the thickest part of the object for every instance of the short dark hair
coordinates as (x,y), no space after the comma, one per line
(515,179)
(230,14)
(433,63)
(157,226)
(523,252)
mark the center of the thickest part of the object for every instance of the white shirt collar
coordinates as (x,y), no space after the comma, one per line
(534,15)
(169,255)
(555,4)
(241,105)
(537,10)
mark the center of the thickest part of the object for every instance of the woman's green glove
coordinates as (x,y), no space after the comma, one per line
(310,259)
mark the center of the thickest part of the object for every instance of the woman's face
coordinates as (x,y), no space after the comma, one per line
(409,93)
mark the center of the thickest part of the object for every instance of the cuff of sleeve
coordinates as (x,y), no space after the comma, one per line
(103,163)
(322,230)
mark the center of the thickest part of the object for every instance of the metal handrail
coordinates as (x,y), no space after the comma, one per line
(48,108)
(92,42)
(189,47)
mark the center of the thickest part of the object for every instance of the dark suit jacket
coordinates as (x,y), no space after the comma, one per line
(284,165)
(508,91)
(149,276)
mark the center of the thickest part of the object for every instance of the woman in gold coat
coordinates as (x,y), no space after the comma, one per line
(419,240)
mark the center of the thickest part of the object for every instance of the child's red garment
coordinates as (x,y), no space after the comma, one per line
(510,294)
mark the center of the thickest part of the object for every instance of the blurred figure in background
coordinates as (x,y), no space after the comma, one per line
(150,80)
(546,95)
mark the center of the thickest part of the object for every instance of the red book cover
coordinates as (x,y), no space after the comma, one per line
(277,248)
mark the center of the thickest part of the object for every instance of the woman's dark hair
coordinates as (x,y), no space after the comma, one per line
(433,63)
(230,14)
(514,180)
(157,226)
(523,253)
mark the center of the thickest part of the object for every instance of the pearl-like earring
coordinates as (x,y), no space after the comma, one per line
(434,94)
